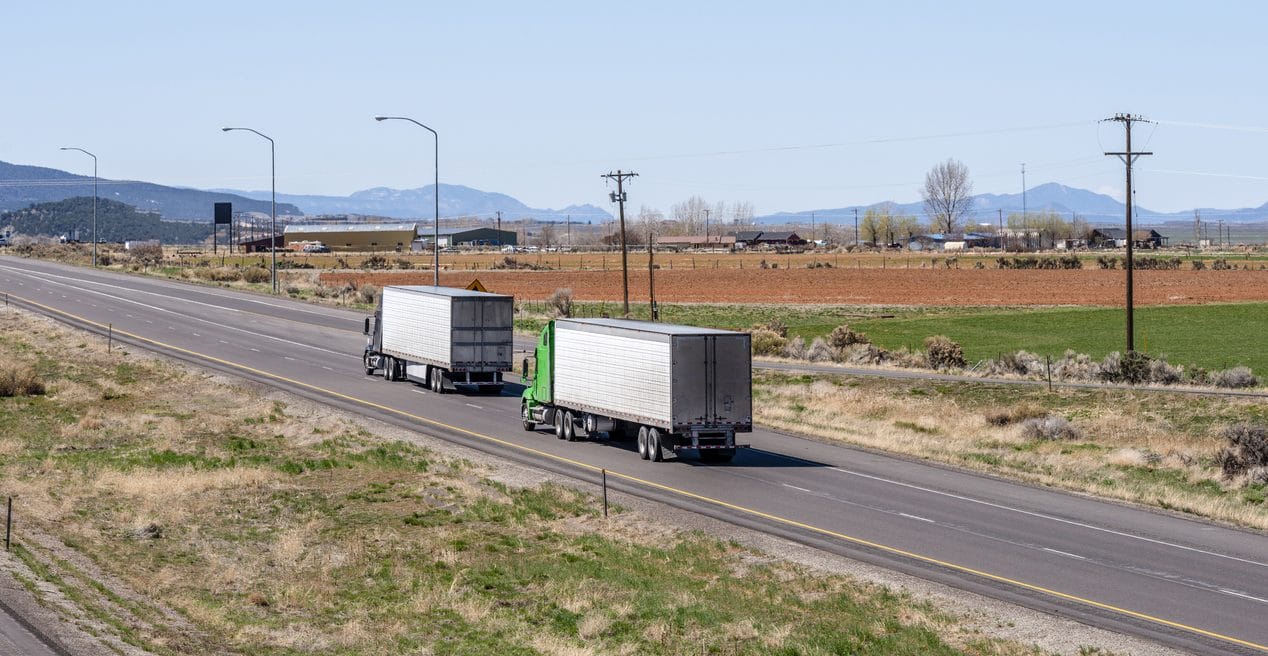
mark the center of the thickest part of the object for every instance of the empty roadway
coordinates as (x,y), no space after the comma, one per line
(1186,583)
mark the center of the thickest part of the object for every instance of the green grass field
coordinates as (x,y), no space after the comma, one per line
(1211,336)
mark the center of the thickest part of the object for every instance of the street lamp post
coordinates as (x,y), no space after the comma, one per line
(273,211)
(94,200)
(436,192)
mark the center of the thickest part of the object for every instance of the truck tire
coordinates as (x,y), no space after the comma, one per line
(570,427)
(654,451)
(717,455)
(526,416)
(389,366)
(437,381)
(642,442)
(365,361)
(559,425)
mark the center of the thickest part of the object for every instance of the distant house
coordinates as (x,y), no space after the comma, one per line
(779,239)
(683,242)
(1107,238)
(746,238)
(1148,239)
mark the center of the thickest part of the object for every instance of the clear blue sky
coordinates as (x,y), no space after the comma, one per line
(537,99)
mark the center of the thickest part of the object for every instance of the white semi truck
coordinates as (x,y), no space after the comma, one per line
(672,388)
(441,337)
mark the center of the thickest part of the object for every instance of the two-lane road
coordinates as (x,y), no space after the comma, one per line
(1185,583)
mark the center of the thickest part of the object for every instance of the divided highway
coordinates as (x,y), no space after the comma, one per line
(1184,583)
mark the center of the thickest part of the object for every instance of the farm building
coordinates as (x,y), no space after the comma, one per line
(683,242)
(767,238)
(355,236)
(467,237)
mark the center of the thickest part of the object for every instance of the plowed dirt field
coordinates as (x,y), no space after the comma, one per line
(955,287)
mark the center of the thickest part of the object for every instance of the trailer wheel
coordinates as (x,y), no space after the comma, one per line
(642,442)
(437,381)
(559,425)
(388,366)
(653,445)
(526,416)
(570,427)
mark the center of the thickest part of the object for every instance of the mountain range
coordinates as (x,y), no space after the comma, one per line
(455,200)
(22,186)
(1093,207)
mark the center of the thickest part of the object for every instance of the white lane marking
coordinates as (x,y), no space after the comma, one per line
(37,275)
(287,357)
(93,304)
(128,315)
(918,518)
(794,487)
(1064,553)
(1243,595)
(171,327)
(472,405)
(255,349)
(326,368)
(215,323)
(222,341)
(148,321)
(197,335)
(1031,513)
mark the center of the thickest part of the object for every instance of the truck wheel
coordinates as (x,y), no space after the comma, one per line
(365,361)
(642,442)
(388,365)
(654,451)
(570,427)
(437,381)
(559,425)
(526,416)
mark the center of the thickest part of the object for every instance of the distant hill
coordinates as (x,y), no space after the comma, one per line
(455,200)
(22,185)
(115,222)
(1095,208)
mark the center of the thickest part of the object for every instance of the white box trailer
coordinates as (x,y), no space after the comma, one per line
(672,387)
(441,337)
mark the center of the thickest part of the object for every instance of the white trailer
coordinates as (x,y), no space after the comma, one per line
(441,337)
(671,387)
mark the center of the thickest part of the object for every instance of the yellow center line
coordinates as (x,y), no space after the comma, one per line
(634,479)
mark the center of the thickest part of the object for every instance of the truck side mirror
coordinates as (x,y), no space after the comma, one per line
(366,330)
(524,367)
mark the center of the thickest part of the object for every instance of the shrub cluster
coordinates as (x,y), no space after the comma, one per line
(1051,427)
(402,263)
(1247,450)
(219,274)
(943,353)
(19,380)
(1133,368)
(368,294)
(375,262)
(1015,414)
(509,262)
(561,302)
(768,342)
(1033,262)
(256,274)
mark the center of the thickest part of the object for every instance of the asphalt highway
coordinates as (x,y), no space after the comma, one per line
(1185,583)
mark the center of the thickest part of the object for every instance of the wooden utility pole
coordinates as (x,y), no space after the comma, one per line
(619,197)
(651,276)
(500,228)
(856,227)
(1128,158)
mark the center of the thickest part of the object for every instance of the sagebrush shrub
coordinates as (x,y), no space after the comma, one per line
(561,302)
(768,342)
(256,274)
(1052,427)
(943,353)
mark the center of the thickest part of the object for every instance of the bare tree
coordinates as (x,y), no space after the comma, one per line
(546,235)
(690,214)
(948,194)
(648,225)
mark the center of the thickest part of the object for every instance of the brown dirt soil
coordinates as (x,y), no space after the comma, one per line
(973,287)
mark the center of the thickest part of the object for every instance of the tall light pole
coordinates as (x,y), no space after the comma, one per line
(273,211)
(436,189)
(94,200)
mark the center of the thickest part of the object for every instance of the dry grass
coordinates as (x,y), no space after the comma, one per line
(1145,448)
(237,526)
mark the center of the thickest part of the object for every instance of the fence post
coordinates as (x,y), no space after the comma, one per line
(1049,357)
(604,473)
(109,337)
(8,523)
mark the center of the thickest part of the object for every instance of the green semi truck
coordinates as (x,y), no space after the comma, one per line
(671,388)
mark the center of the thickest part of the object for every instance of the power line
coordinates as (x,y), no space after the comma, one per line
(618,196)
